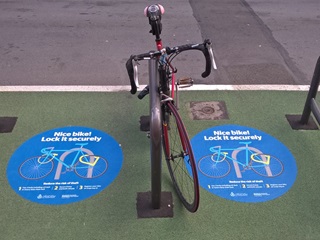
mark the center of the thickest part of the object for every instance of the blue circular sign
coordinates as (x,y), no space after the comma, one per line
(64,165)
(243,164)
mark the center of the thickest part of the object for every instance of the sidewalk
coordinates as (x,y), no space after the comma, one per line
(112,214)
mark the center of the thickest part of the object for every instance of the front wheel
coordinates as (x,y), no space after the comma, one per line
(180,159)
(91,166)
(266,165)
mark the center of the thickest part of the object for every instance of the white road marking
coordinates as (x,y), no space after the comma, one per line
(197,87)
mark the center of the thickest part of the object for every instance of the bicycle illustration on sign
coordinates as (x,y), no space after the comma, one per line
(217,164)
(79,160)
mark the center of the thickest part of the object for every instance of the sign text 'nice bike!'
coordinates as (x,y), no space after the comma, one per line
(232,135)
(77,136)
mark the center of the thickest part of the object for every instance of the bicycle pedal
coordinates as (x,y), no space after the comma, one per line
(145,123)
(185,82)
(143,93)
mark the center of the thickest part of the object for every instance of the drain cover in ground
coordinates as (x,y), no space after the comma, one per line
(216,110)
(7,124)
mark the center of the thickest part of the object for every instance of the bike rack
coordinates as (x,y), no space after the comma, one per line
(161,202)
(304,121)
(155,135)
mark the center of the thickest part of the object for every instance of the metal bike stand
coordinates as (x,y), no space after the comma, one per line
(155,135)
(306,121)
(161,202)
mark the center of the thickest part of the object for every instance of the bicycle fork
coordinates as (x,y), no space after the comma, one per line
(166,129)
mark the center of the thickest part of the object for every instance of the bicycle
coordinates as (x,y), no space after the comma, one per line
(84,163)
(166,126)
(216,165)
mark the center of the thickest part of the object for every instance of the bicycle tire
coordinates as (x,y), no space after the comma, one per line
(33,168)
(180,158)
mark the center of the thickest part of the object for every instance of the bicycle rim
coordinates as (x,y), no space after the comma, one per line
(180,160)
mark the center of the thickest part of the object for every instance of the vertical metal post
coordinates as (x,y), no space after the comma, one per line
(155,133)
(312,94)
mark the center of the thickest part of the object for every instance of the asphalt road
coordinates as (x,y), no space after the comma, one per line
(84,42)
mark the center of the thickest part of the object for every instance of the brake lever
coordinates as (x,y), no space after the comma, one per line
(209,47)
(135,72)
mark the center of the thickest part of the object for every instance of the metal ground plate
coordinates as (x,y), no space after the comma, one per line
(215,110)
(7,124)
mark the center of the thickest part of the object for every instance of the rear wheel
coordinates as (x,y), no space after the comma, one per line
(180,159)
(36,167)
(214,167)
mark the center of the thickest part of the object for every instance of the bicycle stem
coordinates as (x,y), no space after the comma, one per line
(159,44)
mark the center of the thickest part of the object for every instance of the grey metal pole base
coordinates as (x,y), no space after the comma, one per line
(7,124)
(145,209)
(295,123)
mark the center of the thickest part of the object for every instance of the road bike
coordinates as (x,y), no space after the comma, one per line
(216,165)
(167,130)
(80,160)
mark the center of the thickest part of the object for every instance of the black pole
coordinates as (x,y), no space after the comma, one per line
(312,94)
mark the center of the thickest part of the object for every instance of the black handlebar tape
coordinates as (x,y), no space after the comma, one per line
(203,49)
(206,54)
(129,67)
